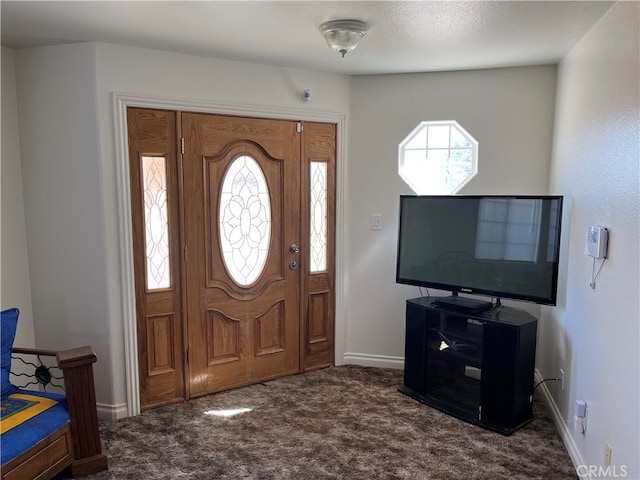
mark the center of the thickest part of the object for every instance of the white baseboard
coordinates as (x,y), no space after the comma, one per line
(368,360)
(112,412)
(561,425)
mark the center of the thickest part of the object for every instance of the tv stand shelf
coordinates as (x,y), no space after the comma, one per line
(475,366)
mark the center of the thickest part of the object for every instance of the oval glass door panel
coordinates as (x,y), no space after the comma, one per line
(245,220)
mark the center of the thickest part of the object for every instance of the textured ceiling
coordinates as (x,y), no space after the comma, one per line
(405,36)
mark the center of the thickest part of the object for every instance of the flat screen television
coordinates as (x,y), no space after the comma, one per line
(496,246)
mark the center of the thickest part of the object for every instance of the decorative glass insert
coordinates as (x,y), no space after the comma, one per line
(245,220)
(438,158)
(318,223)
(156,223)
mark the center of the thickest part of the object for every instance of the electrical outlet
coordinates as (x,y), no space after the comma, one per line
(580,417)
(561,380)
(607,454)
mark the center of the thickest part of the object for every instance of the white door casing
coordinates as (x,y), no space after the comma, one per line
(127,278)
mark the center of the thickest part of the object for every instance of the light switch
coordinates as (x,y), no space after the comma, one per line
(376,221)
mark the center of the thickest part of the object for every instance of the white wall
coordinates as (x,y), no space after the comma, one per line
(63,201)
(508,111)
(15,285)
(594,334)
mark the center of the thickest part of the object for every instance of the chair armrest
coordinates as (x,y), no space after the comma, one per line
(75,357)
(69,357)
(77,368)
(34,351)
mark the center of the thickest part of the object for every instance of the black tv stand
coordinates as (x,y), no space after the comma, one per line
(463,304)
(475,366)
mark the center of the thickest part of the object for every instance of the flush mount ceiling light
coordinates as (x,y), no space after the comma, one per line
(342,36)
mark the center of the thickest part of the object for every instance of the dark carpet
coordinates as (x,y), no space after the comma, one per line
(346,422)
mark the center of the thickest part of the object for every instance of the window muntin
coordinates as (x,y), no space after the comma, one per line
(437,158)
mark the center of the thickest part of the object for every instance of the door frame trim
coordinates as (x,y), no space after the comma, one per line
(121,101)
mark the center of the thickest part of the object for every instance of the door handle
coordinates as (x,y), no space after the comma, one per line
(294,248)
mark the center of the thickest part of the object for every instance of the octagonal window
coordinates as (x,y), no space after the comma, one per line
(438,158)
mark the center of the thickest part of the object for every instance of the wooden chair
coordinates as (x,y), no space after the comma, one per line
(76,444)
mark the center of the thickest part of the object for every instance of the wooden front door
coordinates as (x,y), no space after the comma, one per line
(252,252)
(242,192)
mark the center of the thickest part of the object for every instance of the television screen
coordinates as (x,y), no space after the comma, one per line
(499,246)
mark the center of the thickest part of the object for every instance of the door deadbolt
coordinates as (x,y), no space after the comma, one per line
(293,265)
(294,248)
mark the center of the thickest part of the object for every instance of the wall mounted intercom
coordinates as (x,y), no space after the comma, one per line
(597,239)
